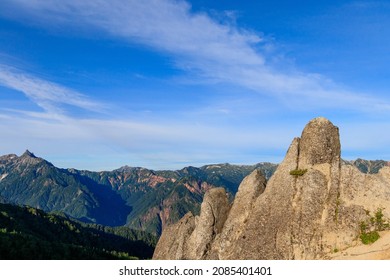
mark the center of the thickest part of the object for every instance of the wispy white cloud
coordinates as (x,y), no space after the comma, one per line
(49,96)
(207,48)
(108,144)
(150,144)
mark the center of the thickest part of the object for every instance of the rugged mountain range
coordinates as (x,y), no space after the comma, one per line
(314,205)
(137,197)
(368,166)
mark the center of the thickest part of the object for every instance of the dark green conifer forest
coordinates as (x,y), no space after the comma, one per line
(28,233)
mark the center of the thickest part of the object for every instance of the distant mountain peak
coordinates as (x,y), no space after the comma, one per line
(29,158)
(125,168)
(27,153)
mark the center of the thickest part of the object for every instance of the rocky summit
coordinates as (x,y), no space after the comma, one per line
(313,206)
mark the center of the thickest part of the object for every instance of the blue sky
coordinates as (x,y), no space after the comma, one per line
(165,84)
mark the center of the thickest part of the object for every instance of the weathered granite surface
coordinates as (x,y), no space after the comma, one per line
(304,216)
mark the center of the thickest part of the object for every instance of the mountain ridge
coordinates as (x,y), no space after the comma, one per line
(134,196)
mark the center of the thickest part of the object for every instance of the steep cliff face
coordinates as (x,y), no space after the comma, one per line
(192,237)
(249,190)
(311,205)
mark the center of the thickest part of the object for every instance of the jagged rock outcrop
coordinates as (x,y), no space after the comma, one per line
(312,205)
(192,237)
(249,190)
(173,244)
